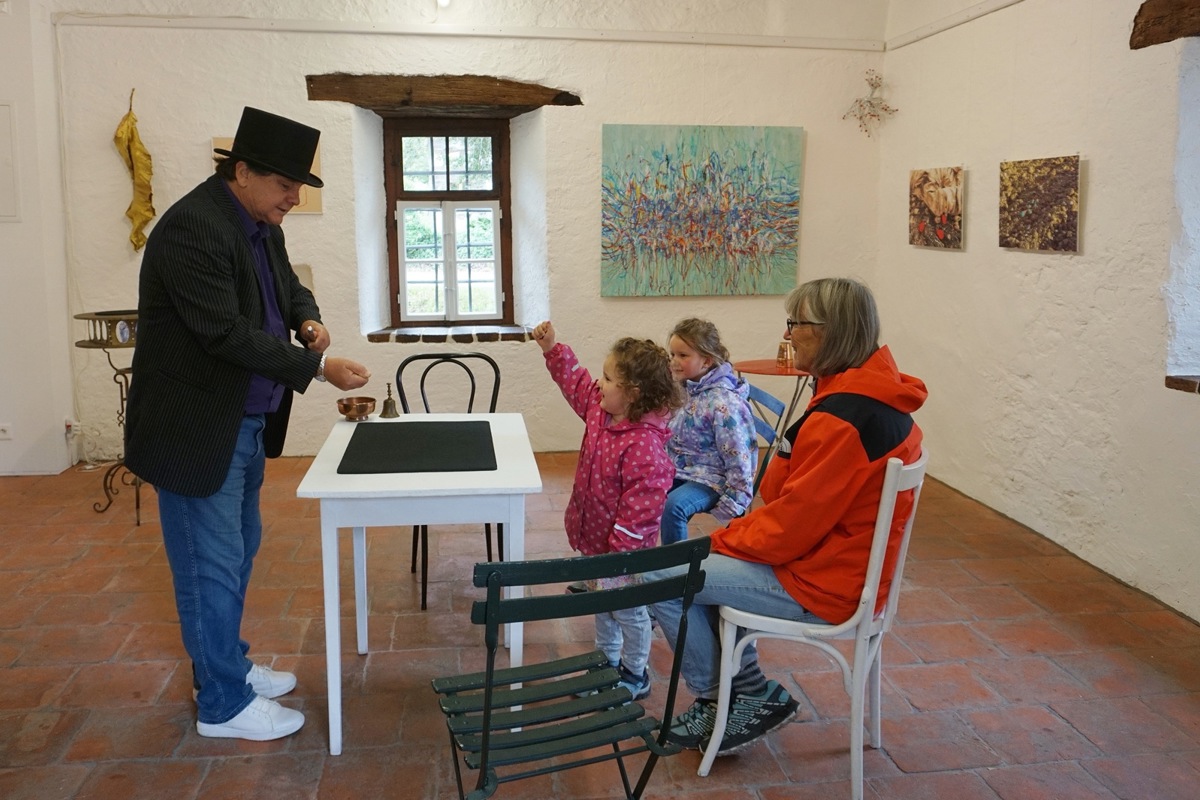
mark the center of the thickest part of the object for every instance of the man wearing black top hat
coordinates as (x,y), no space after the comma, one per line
(226,334)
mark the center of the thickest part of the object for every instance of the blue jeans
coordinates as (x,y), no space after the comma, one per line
(728,582)
(210,543)
(684,501)
(624,636)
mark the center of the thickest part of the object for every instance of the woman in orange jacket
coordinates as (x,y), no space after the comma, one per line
(803,554)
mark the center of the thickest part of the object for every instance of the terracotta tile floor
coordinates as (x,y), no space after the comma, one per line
(1016,670)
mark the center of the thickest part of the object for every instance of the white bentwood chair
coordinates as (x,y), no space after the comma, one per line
(865,627)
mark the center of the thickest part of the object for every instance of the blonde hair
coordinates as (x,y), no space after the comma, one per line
(702,336)
(645,366)
(849,319)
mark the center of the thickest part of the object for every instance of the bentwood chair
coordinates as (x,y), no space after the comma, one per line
(511,723)
(866,626)
(460,375)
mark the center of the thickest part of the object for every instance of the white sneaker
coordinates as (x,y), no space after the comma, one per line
(270,683)
(266,682)
(261,721)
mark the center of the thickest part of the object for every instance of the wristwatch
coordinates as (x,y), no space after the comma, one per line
(321,369)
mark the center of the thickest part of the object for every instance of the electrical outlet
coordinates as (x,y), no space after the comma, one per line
(5,430)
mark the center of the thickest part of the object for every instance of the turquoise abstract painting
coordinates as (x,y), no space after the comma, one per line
(699,210)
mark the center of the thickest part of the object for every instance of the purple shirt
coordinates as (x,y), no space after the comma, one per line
(264,394)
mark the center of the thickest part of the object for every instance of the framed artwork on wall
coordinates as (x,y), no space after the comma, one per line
(699,210)
(310,196)
(1039,204)
(935,207)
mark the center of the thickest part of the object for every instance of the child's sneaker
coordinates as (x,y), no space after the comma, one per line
(615,665)
(752,716)
(694,726)
(638,687)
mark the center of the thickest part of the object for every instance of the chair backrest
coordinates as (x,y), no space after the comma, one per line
(768,414)
(497,610)
(898,478)
(461,361)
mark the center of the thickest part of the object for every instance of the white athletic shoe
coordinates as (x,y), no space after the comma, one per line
(270,683)
(266,682)
(261,721)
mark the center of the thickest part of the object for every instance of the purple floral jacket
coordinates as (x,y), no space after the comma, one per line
(713,440)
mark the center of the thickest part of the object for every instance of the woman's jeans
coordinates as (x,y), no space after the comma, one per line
(210,543)
(684,501)
(727,582)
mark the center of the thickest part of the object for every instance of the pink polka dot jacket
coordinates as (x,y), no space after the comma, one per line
(624,472)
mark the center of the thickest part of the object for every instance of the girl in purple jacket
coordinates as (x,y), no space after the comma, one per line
(623,475)
(713,443)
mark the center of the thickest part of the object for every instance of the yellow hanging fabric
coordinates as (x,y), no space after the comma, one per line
(137,160)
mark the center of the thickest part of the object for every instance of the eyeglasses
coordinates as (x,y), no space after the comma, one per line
(791,323)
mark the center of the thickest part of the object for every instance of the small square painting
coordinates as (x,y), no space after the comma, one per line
(1039,204)
(935,207)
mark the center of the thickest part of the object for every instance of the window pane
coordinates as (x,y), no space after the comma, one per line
(474,233)
(474,254)
(418,163)
(456,158)
(479,162)
(476,287)
(423,235)
(424,163)
(424,279)
(424,299)
(426,289)
(447,163)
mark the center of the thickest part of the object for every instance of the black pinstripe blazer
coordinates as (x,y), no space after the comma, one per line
(199,338)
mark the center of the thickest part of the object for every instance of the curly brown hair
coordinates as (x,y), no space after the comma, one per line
(646,367)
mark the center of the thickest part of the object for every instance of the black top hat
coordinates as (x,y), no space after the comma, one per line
(276,144)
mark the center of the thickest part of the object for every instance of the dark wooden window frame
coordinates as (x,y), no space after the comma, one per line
(444,99)
(394,129)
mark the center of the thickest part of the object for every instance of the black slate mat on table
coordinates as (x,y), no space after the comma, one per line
(376,447)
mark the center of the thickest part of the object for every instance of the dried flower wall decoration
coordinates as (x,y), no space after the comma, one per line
(871,109)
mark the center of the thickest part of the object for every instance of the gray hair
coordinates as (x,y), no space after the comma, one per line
(849,320)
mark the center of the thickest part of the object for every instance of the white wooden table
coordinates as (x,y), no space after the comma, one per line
(414,498)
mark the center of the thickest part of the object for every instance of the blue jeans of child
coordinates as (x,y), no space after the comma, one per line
(685,500)
(727,582)
(624,636)
(210,543)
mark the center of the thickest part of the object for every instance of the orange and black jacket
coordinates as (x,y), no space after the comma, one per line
(821,489)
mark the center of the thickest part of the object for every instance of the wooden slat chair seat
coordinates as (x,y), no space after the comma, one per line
(510,723)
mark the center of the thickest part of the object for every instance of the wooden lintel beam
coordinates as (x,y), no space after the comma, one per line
(1161,21)
(450,95)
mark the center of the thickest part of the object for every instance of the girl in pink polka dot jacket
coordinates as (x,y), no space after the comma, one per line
(624,472)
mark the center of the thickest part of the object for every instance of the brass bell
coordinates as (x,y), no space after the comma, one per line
(389,406)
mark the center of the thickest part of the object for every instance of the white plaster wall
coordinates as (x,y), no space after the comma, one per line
(36,385)
(1046,370)
(557,201)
